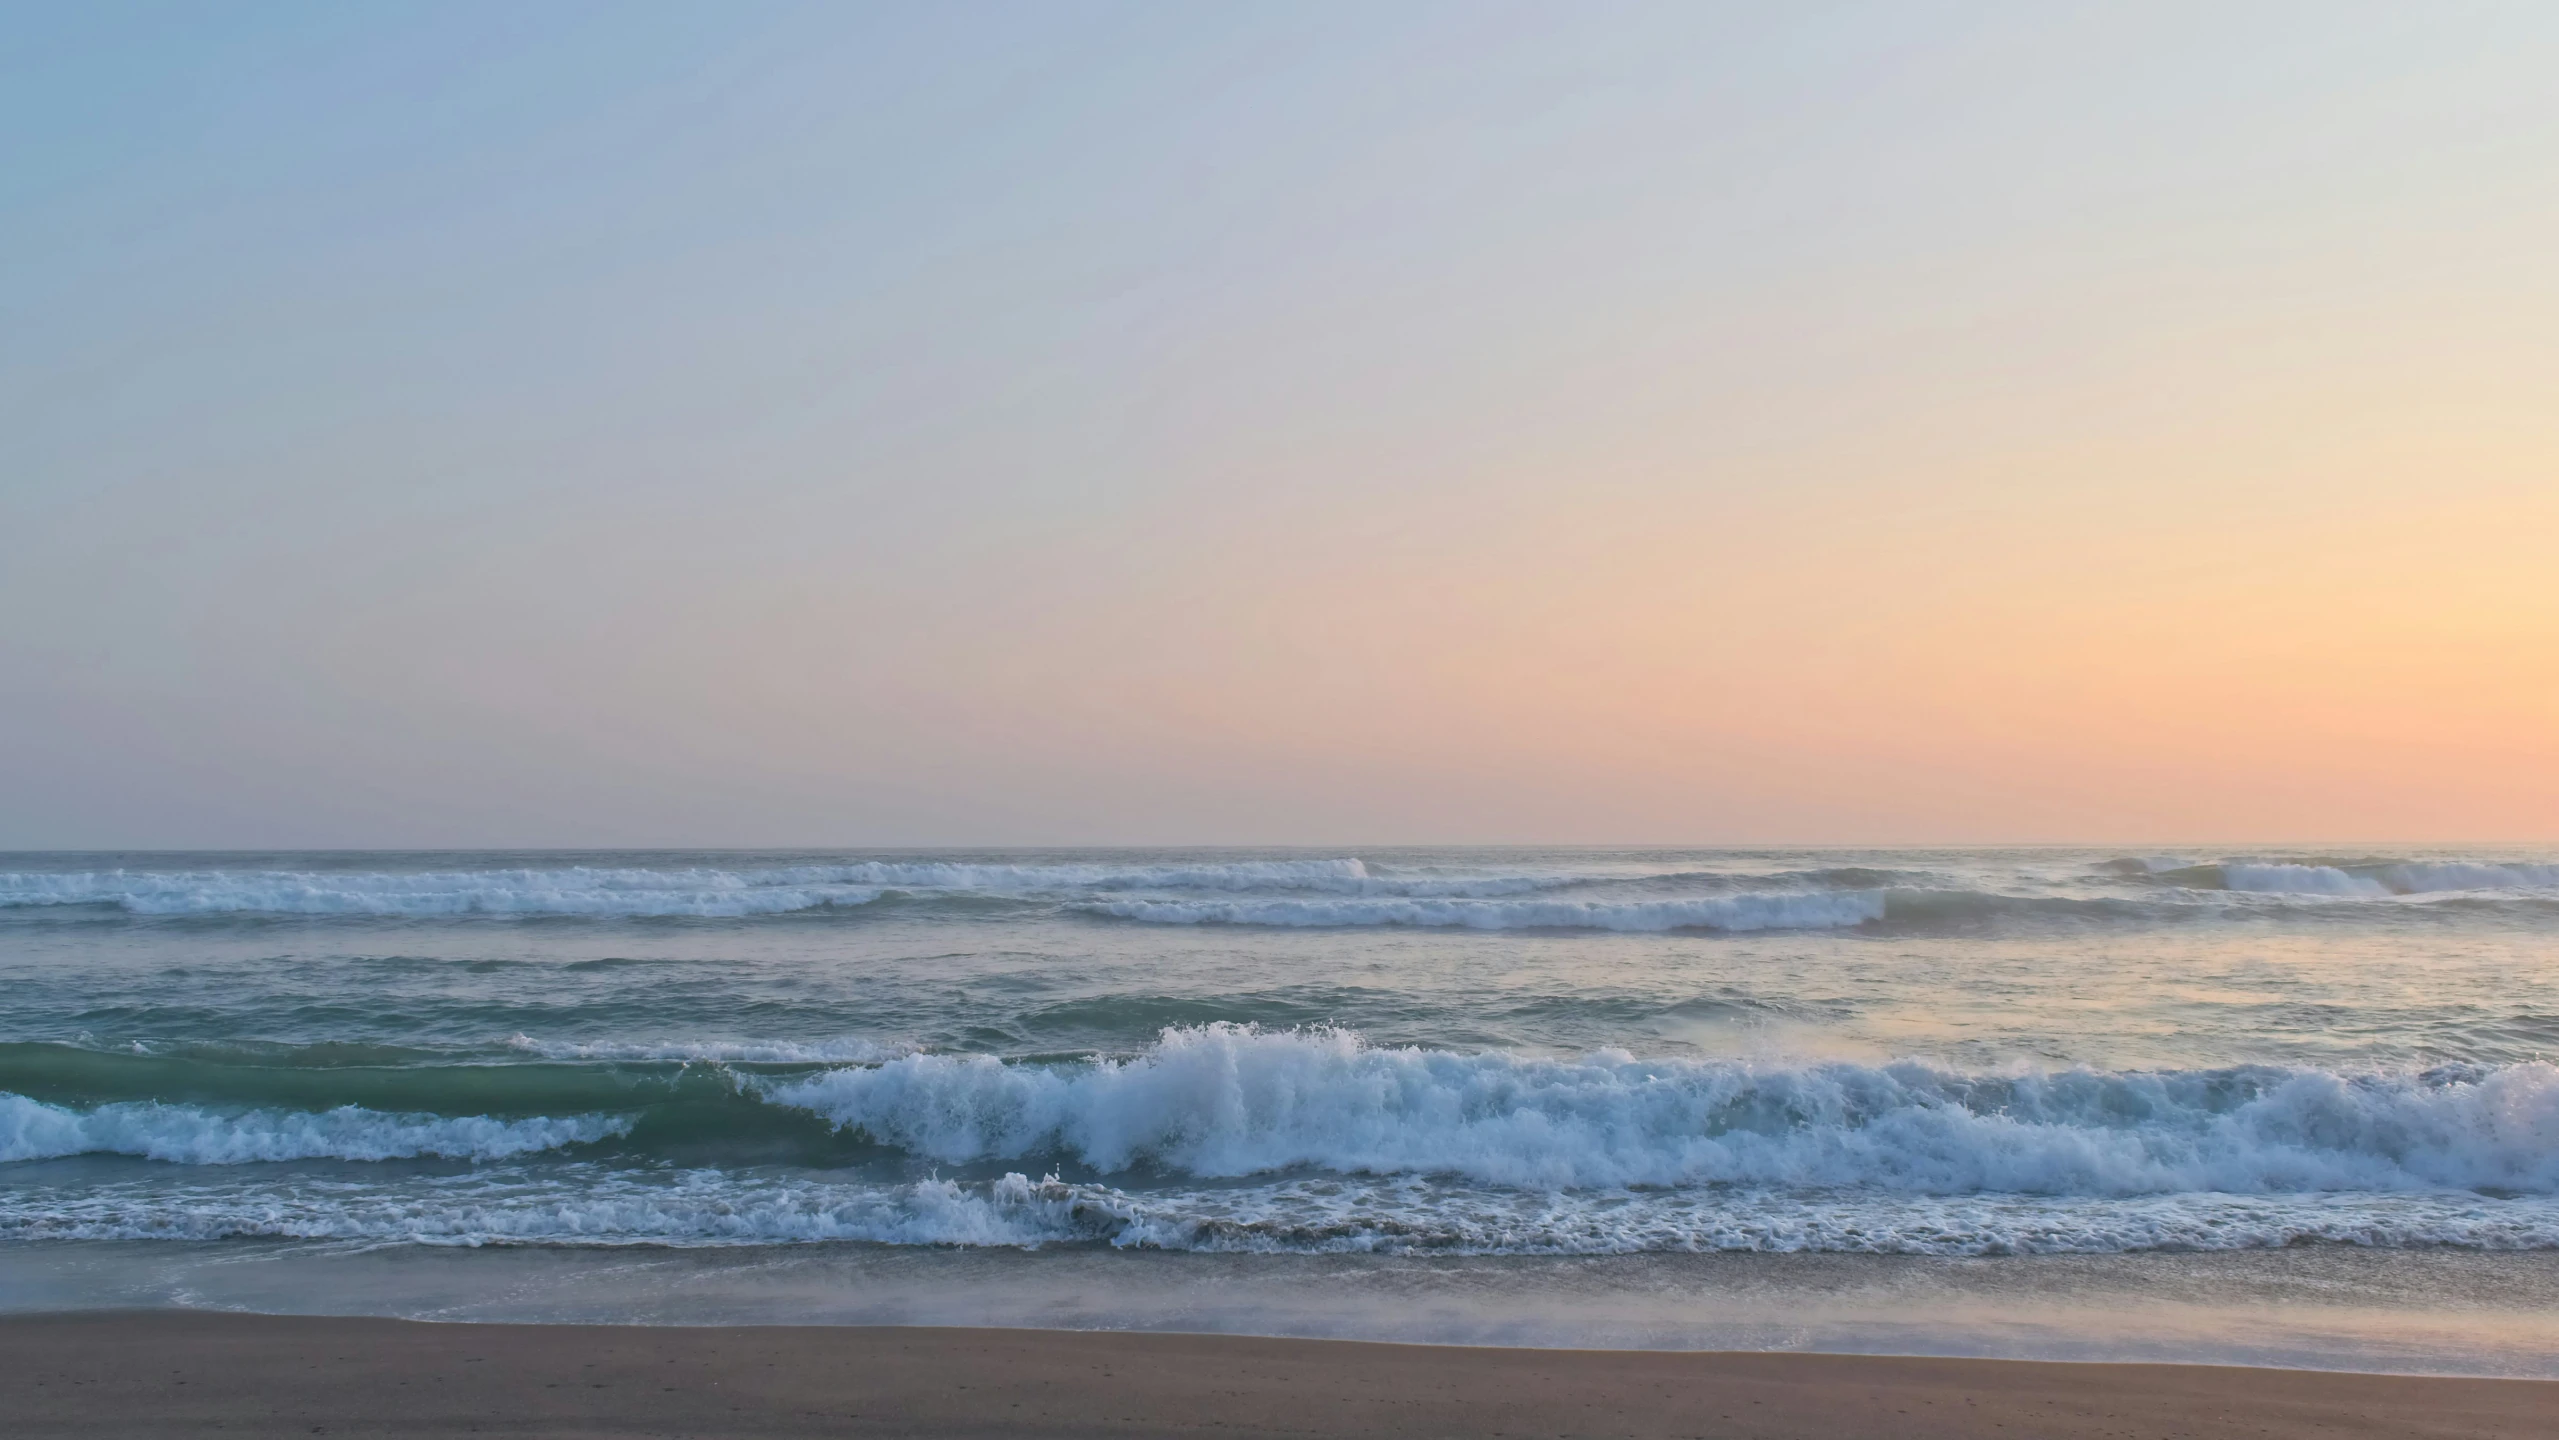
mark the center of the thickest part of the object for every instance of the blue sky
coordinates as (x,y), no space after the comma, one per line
(655,424)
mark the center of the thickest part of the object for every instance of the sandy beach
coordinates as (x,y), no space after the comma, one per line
(188,1373)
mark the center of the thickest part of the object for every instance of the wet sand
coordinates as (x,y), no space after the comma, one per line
(162,1373)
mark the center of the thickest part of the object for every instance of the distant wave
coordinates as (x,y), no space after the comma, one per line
(2369,879)
(1342,891)
(1226,1101)
(1735,913)
(1722,912)
(2402,878)
(2283,879)
(1347,876)
(691,891)
(569,891)
(187,1135)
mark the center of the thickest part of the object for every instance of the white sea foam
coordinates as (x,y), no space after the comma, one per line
(593,1206)
(188,1135)
(1721,912)
(1221,1101)
(585,1206)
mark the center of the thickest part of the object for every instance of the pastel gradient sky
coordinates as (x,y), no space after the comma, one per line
(633,424)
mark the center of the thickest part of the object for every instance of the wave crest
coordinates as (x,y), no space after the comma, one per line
(187,1135)
(2345,879)
(1228,1101)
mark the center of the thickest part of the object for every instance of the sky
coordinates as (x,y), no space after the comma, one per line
(474,424)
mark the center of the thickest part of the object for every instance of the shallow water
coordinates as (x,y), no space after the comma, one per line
(1119,1058)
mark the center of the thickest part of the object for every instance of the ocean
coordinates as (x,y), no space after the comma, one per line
(2288,1104)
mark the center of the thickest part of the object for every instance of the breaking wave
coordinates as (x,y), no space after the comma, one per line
(1227,1101)
(1226,1137)
(187,1135)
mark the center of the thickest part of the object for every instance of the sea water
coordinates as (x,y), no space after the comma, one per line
(2284,1104)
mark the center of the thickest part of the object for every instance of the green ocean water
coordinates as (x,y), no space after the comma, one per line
(1400,1052)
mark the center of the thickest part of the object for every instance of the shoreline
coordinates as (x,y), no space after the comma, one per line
(2483,1315)
(179,1372)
